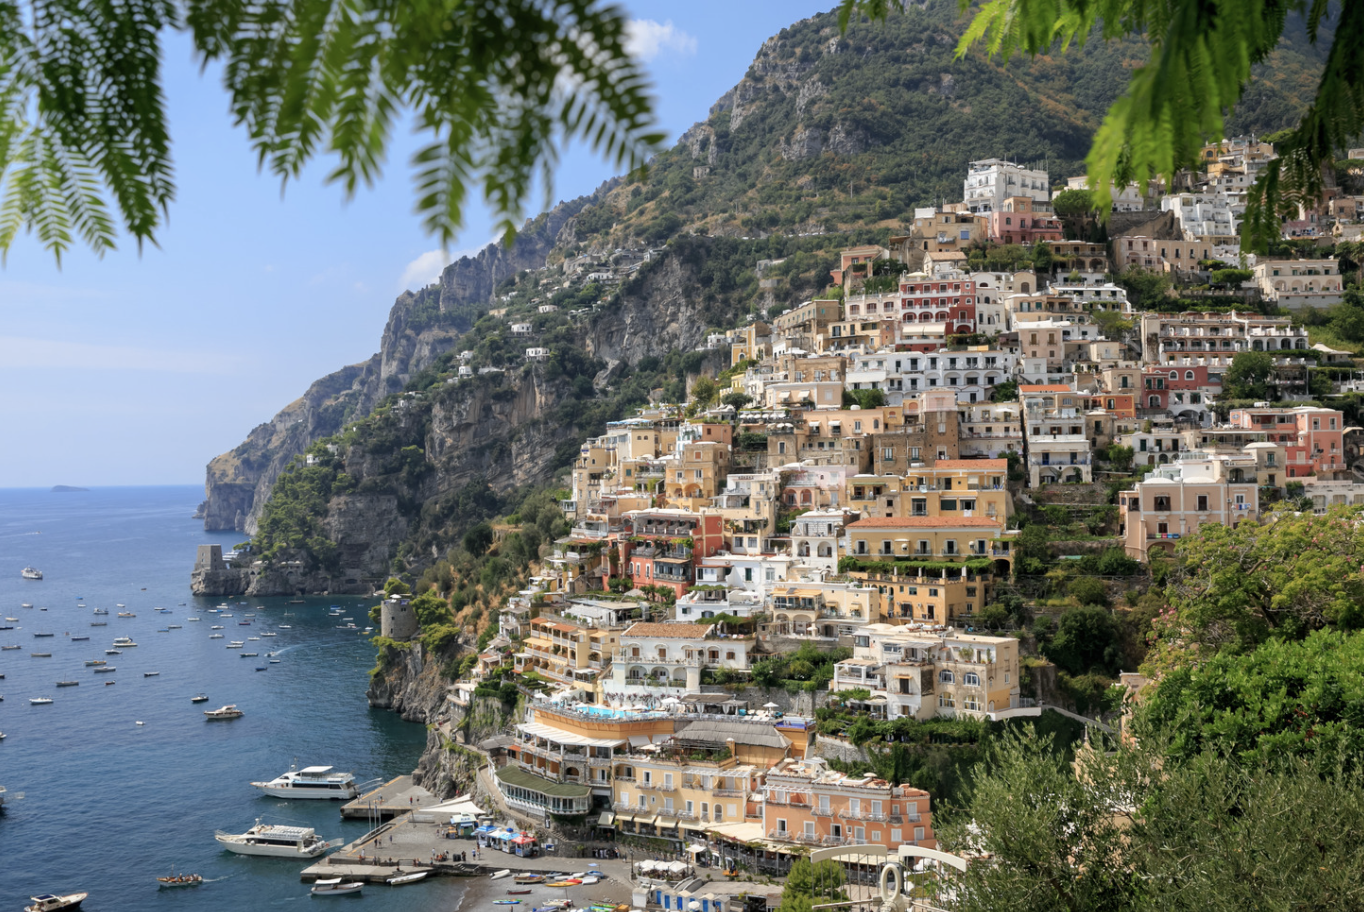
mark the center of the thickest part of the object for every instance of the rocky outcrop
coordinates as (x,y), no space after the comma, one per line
(659,313)
(804,143)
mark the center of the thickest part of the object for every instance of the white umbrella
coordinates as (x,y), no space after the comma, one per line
(671,701)
(771,706)
(677,867)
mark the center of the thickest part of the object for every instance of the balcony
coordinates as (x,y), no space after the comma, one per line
(822,812)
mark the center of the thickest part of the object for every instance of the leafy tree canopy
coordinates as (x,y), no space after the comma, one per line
(495,88)
(1248,376)
(1235,588)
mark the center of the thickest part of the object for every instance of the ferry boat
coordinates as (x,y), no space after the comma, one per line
(311,782)
(124,641)
(276,841)
(52,902)
(230,711)
(32,573)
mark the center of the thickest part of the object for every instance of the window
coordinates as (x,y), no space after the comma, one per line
(667,780)
(971,679)
(648,777)
(944,677)
(810,828)
(918,834)
(896,837)
(781,825)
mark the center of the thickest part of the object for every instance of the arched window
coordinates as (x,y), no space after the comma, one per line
(1174,375)
(1188,375)
(971,679)
(946,677)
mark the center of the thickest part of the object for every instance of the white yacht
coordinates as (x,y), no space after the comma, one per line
(230,711)
(276,841)
(124,641)
(31,573)
(311,782)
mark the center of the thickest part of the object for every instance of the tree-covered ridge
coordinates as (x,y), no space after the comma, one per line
(831,130)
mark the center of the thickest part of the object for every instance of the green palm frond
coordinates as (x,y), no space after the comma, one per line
(496,85)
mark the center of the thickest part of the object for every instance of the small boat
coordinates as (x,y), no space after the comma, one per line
(530,878)
(113,652)
(26,605)
(10,647)
(260,668)
(198,698)
(506,902)
(180,880)
(215,636)
(33,573)
(249,639)
(174,627)
(106,669)
(41,655)
(150,674)
(38,635)
(78,639)
(124,641)
(334,887)
(99,623)
(191,619)
(52,902)
(502,873)
(126,614)
(230,711)
(248,655)
(269,633)
(560,903)
(517,892)
(39,701)
(285,627)
(274,661)
(110,683)
(68,683)
(297,602)
(243,623)
(216,627)
(567,882)
(103,610)
(400,879)
(117,605)
(225,614)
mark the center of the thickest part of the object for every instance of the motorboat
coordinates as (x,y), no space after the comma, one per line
(105,669)
(110,683)
(335,887)
(497,875)
(89,662)
(276,841)
(41,655)
(31,573)
(230,711)
(41,635)
(150,674)
(215,636)
(99,623)
(68,683)
(199,698)
(113,652)
(311,782)
(236,644)
(16,646)
(103,610)
(126,614)
(269,633)
(400,879)
(79,639)
(249,639)
(39,701)
(180,880)
(260,668)
(26,605)
(248,655)
(286,627)
(216,627)
(53,902)
(191,619)
(122,642)
(274,661)
(173,627)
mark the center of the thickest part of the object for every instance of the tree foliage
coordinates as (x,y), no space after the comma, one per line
(1235,588)
(1248,376)
(496,88)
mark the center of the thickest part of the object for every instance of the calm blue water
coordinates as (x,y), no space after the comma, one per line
(109,804)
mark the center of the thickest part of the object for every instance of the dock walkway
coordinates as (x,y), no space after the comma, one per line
(397,796)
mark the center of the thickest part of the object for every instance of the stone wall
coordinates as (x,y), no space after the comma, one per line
(839,749)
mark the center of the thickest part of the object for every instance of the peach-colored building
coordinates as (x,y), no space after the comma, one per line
(1174,500)
(806,803)
(1312,437)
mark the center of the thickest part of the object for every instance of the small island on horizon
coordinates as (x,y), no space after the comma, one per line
(67,489)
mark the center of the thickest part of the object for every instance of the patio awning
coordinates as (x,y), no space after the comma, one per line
(606,819)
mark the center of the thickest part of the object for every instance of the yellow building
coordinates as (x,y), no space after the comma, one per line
(565,652)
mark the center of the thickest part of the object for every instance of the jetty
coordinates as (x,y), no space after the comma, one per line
(397,796)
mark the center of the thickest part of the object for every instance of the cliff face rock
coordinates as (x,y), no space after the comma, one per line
(409,683)
(662,313)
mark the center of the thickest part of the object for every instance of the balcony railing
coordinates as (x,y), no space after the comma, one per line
(822,812)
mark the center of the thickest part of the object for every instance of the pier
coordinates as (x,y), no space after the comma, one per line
(397,796)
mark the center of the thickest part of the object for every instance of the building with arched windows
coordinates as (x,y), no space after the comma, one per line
(1294,284)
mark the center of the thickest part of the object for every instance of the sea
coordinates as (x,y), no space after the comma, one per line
(123,780)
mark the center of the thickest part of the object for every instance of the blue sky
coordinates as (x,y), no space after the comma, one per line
(139,369)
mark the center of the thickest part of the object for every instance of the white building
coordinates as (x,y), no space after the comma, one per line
(991,181)
(1294,284)
(1125,199)
(666,659)
(1201,214)
(815,536)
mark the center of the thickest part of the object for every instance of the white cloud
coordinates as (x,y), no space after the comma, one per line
(425,269)
(20,353)
(647,39)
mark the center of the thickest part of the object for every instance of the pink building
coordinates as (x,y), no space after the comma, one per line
(930,299)
(807,803)
(1312,437)
(1175,499)
(1024,221)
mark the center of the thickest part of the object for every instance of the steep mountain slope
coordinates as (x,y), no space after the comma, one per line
(828,139)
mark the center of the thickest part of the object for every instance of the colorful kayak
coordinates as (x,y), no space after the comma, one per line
(564,883)
(506,902)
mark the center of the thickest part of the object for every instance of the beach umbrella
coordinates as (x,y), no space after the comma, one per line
(771,706)
(677,867)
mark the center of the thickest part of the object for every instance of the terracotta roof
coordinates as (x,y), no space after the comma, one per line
(1044,388)
(971,464)
(676,631)
(925,522)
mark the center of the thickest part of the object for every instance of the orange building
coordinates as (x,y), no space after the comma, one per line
(805,802)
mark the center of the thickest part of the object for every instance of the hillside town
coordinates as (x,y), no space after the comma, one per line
(854,482)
